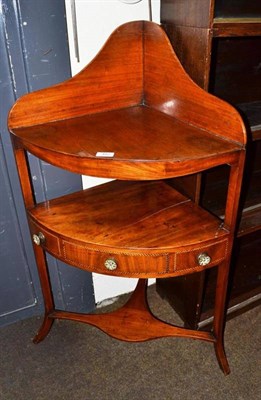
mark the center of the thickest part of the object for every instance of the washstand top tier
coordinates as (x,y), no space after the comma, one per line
(132,113)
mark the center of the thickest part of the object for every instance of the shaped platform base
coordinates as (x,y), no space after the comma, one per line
(134,322)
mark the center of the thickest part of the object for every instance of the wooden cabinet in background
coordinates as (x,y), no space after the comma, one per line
(219,44)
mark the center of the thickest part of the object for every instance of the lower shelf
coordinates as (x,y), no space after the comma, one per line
(134,322)
(131,229)
(127,323)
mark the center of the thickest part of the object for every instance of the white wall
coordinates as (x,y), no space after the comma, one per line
(96,20)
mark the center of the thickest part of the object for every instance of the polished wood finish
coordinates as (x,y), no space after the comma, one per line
(132,114)
(218,43)
(120,78)
(171,149)
(134,331)
(143,226)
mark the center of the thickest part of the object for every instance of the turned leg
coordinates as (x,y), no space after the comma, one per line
(219,315)
(47,295)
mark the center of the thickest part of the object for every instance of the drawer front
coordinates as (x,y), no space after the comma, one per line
(112,263)
(133,264)
(199,257)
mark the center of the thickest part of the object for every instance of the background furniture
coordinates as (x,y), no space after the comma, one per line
(219,44)
(130,117)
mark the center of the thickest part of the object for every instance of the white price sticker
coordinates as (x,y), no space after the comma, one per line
(104,154)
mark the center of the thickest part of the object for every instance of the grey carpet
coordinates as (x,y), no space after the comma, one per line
(79,362)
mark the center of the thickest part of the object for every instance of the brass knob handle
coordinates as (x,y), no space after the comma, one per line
(39,238)
(204,259)
(110,264)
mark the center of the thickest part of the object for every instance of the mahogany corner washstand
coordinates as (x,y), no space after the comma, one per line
(132,114)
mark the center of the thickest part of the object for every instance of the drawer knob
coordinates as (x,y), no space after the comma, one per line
(204,259)
(110,264)
(39,238)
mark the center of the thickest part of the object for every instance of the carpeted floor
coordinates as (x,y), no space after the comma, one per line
(78,362)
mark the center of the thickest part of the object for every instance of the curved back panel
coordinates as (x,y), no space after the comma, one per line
(168,88)
(112,80)
(137,65)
